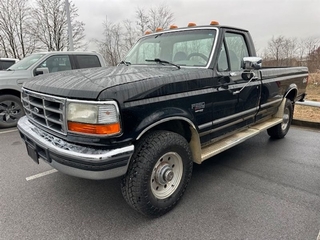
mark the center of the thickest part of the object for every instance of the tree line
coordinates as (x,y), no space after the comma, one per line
(283,51)
(118,38)
(280,51)
(29,26)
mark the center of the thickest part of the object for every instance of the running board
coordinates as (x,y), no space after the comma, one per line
(233,140)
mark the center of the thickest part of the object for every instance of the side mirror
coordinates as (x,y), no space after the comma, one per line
(40,71)
(249,63)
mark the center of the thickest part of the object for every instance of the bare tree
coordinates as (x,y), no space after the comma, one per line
(314,60)
(289,50)
(155,17)
(130,35)
(160,16)
(50,25)
(312,48)
(119,38)
(301,51)
(142,21)
(311,44)
(275,49)
(15,38)
(111,46)
(282,51)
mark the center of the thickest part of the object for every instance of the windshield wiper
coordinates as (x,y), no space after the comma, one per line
(158,60)
(125,63)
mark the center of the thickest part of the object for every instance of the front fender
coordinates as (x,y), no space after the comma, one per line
(173,114)
(6,88)
(164,115)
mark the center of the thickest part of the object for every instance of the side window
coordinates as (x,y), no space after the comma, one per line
(4,64)
(222,60)
(237,49)
(87,61)
(56,63)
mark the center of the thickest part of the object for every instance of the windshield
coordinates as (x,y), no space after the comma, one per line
(184,48)
(26,62)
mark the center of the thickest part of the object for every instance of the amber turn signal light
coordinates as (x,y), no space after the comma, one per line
(101,129)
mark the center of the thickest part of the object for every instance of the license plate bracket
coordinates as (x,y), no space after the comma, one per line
(32,153)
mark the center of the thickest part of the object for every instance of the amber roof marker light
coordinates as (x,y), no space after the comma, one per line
(214,22)
(192,24)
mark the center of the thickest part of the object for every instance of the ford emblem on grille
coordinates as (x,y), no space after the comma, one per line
(36,110)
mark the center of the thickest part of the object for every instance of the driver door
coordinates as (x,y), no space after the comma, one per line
(236,103)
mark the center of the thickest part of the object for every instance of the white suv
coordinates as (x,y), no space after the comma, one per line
(35,64)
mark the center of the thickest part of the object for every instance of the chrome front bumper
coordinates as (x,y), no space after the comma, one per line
(72,159)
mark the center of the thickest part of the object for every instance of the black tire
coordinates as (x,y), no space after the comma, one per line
(158,174)
(11,110)
(280,130)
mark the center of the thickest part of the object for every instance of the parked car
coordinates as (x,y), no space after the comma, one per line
(5,63)
(33,65)
(180,97)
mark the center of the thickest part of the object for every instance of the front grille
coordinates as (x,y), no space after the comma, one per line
(45,110)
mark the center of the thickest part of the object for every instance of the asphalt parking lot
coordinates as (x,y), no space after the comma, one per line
(260,189)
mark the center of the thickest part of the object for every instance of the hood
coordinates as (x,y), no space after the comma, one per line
(88,83)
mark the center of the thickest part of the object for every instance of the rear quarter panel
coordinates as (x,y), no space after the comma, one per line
(282,80)
(277,83)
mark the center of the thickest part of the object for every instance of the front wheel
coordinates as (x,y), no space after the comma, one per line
(11,110)
(158,174)
(280,130)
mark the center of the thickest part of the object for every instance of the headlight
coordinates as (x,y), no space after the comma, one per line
(101,118)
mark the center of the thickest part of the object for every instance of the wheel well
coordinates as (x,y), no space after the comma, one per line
(10,92)
(177,126)
(186,130)
(292,94)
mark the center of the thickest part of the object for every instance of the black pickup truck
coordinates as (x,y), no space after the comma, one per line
(179,97)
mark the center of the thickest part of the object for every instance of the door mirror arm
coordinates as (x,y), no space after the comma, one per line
(244,76)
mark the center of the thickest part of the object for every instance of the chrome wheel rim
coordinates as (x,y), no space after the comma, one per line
(285,119)
(166,175)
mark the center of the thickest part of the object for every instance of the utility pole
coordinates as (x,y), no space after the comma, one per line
(69,26)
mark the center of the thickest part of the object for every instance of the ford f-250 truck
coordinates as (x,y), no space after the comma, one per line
(33,65)
(179,97)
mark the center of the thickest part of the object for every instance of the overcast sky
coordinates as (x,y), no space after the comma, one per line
(263,18)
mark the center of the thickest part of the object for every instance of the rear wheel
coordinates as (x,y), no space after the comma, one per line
(10,111)
(158,174)
(280,130)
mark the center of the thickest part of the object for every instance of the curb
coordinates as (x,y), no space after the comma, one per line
(303,123)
